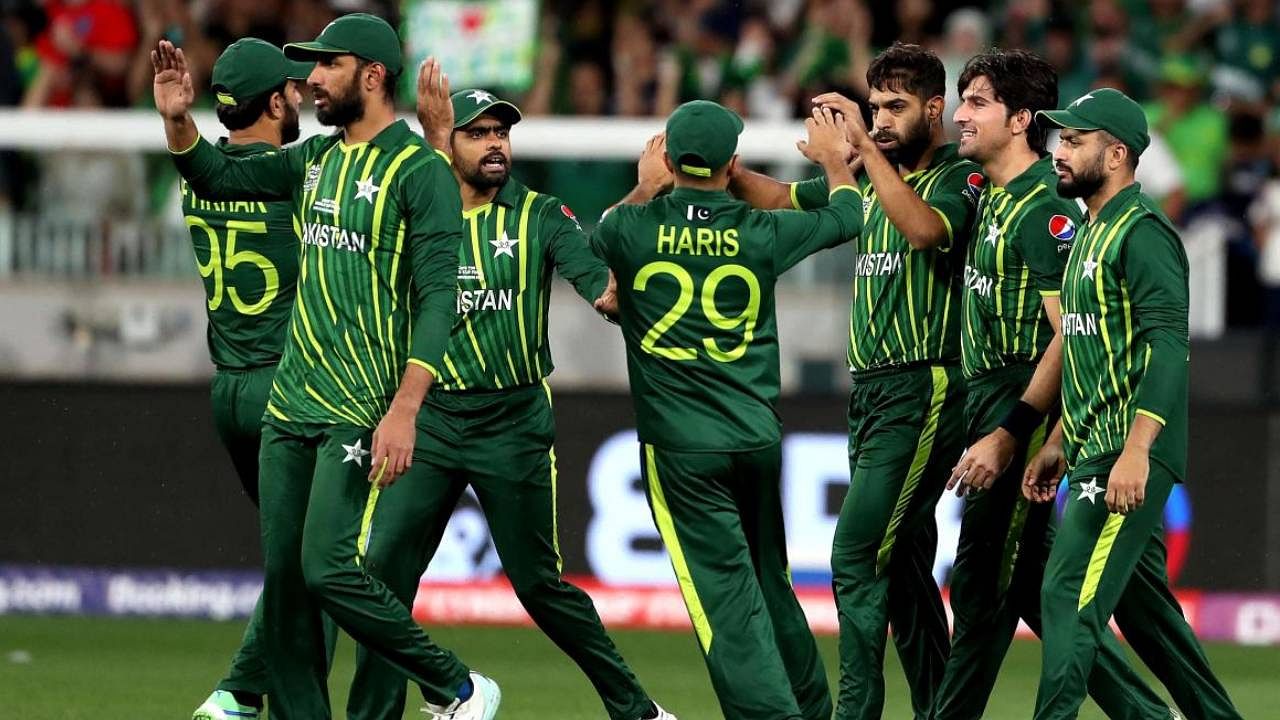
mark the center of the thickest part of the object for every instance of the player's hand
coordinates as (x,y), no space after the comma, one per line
(607,303)
(392,453)
(435,109)
(651,171)
(172,84)
(1127,486)
(855,127)
(983,462)
(827,143)
(1043,473)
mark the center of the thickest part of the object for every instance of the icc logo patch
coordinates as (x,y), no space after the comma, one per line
(1061,227)
(313,178)
(975,181)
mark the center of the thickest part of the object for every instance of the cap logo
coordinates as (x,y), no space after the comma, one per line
(1061,227)
(480,96)
(1082,99)
(225,99)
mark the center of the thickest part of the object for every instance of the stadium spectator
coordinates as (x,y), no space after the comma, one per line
(1196,131)
(83,36)
(1247,45)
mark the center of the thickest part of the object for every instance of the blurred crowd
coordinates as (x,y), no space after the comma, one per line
(1207,71)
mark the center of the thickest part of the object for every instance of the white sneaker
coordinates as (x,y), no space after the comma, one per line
(663,714)
(222,705)
(482,705)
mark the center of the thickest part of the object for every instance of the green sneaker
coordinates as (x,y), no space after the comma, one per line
(222,705)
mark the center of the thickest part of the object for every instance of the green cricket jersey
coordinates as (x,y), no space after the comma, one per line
(1020,246)
(247,254)
(696,271)
(380,235)
(1125,337)
(509,249)
(906,303)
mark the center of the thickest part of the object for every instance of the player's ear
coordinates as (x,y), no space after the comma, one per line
(933,108)
(666,160)
(276,106)
(1021,121)
(732,167)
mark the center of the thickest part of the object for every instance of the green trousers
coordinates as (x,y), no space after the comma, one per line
(239,400)
(1103,564)
(315,499)
(1000,559)
(499,443)
(905,433)
(720,517)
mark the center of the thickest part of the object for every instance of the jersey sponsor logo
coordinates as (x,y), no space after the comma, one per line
(976,282)
(881,263)
(569,214)
(684,240)
(974,184)
(333,236)
(484,299)
(1061,227)
(1079,324)
(325,205)
(696,212)
(313,178)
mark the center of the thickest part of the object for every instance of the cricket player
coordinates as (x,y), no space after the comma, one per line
(488,423)
(378,213)
(1011,352)
(696,271)
(1123,433)
(247,255)
(906,406)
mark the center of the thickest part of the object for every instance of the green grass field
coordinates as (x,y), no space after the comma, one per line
(71,668)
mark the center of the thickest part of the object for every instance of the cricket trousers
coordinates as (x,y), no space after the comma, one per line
(1102,564)
(1000,560)
(906,429)
(501,444)
(316,501)
(720,517)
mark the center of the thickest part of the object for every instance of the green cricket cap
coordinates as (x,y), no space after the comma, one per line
(250,67)
(361,34)
(702,137)
(1104,109)
(472,103)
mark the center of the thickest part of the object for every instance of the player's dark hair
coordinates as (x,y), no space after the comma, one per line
(241,116)
(1021,80)
(908,68)
(389,81)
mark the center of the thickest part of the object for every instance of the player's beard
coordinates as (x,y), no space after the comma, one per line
(290,129)
(911,145)
(342,109)
(481,179)
(1085,181)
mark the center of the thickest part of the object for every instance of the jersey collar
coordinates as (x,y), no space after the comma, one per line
(1032,176)
(689,194)
(392,136)
(511,193)
(226,146)
(1122,200)
(944,153)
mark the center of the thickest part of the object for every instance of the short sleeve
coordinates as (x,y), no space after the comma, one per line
(1044,239)
(954,196)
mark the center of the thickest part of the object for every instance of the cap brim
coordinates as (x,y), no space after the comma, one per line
(310,51)
(501,109)
(1066,119)
(295,70)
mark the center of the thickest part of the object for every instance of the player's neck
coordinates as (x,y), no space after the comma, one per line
(378,116)
(473,197)
(259,132)
(1115,183)
(937,138)
(1003,168)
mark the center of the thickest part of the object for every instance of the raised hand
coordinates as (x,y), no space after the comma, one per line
(435,109)
(172,84)
(828,141)
(652,171)
(855,127)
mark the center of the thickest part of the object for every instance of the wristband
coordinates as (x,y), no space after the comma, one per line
(1021,421)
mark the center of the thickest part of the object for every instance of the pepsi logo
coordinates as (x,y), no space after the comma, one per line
(1061,227)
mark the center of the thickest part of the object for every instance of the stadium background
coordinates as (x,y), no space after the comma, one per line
(116,500)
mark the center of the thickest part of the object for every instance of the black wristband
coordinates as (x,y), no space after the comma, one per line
(1021,421)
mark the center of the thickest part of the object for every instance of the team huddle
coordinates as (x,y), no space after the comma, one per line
(380,343)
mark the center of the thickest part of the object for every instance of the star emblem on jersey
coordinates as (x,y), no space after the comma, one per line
(993,234)
(366,189)
(355,453)
(1087,268)
(480,96)
(1082,99)
(1090,490)
(504,245)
